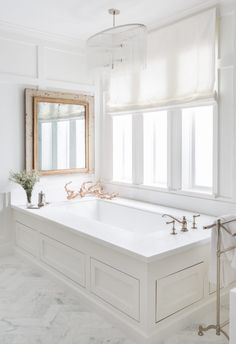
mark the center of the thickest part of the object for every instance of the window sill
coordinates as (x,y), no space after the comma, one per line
(121,182)
(189,193)
(197,193)
(153,187)
(200,191)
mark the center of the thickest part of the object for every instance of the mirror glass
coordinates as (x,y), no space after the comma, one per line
(60,129)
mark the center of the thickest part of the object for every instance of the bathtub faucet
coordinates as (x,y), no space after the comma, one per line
(183,221)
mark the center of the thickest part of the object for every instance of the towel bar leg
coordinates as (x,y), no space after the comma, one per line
(202,329)
(218,326)
(218,279)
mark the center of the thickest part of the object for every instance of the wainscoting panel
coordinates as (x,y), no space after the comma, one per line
(65,259)
(115,287)
(179,290)
(27,239)
(18,58)
(62,65)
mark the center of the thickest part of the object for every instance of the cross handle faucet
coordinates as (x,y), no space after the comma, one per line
(183,221)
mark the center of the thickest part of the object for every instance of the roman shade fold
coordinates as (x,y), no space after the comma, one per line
(180,67)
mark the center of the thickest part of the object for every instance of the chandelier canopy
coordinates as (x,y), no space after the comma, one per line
(119,47)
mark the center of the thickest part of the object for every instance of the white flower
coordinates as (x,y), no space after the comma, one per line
(26,179)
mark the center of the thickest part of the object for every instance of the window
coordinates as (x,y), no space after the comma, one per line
(197,148)
(165,141)
(122,148)
(155,148)
(172,149)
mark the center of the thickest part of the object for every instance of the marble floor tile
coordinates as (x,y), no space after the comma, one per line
(37,309)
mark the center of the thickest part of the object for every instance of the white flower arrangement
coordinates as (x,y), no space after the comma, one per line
(27,180)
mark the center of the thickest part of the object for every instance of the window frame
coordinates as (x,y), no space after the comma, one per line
(174,150)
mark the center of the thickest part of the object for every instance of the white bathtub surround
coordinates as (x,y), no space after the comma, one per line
(129,226)
(228,259)
(35,308)
(120,256)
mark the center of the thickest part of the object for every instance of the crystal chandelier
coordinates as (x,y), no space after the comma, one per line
(118,48)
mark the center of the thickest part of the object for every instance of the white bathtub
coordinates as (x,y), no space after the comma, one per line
(118,214)
(120,255)
(136,227)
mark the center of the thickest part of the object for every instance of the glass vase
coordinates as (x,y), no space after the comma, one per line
(29,197)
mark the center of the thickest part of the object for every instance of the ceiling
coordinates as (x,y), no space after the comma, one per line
(82,18)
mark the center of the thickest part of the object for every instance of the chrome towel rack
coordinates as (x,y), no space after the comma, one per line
(218,226)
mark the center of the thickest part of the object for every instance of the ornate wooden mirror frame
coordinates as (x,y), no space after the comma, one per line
(32,97)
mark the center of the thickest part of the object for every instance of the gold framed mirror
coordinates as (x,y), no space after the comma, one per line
(59,132)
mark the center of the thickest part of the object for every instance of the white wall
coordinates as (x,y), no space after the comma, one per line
(225,199)
(30,61)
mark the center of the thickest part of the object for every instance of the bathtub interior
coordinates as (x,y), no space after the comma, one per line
(118,215)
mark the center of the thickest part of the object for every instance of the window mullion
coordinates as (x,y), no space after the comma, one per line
(154,171)
(169,150)
(107,148)
(193,154)
(137,148)
(40,155)
(215,188)
(54,145)
(174,149)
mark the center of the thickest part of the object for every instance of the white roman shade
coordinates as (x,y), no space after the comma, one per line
(180,67)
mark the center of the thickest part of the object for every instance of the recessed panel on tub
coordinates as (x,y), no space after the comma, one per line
(64,259)
(116,288)
(179,290)
(27,238)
